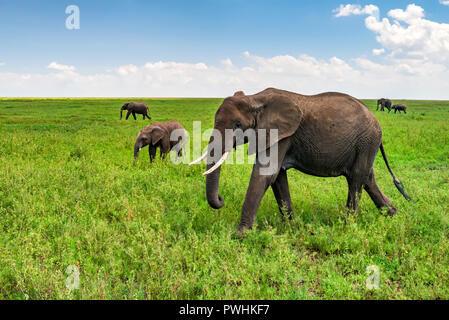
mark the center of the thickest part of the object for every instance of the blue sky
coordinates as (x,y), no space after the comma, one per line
(134,32)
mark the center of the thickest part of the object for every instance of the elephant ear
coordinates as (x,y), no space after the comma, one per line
(158,134)
(278,113)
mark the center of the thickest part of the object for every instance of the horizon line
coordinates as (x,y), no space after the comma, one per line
(168,98)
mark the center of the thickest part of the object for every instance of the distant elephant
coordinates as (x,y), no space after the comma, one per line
(133,108)
(399,107)
(157,135)
(326,135)
(384,103)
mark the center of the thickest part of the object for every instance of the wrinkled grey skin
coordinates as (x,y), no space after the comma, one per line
(384,103)
(399,107)
(135,108)
(157,135)
(326,135)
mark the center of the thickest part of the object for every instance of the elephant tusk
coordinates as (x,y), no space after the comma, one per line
(217,165)
(199,159)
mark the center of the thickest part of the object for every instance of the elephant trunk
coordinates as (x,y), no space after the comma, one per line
(212,182)
(137,148)
(215,200)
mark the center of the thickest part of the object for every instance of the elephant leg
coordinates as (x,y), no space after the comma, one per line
(128,114)
(152,151)
(354,193)
(357,178)
(146,114)
(281,192)
(134,115)
(143,117)
(165,149)
(177,148)
(259,183)
(378,197)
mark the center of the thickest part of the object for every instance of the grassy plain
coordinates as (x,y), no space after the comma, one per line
(70,195)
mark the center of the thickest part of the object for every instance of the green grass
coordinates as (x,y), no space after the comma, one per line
(70,195)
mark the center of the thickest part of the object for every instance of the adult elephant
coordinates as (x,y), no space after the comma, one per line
(326,135)
(133,108)
(384,103)
(158,135)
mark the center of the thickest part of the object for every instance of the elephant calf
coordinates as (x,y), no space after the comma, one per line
(399,107)
(133,108)
(167,136)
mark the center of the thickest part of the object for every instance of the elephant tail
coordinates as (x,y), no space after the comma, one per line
(396,181)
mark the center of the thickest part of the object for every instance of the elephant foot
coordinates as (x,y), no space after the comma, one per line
(241,230)
(287,218)
(351,212)
(388,211)
(392,211)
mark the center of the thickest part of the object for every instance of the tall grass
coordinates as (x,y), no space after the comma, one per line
(71,195)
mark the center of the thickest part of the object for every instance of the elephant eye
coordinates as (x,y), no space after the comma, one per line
(237,125)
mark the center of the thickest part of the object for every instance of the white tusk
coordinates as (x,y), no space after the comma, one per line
(199,159)
(217,165)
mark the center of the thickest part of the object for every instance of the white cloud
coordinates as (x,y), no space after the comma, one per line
(304,65)
(2,64)
(417,48)
(61,67)
(378,52)
(361,77)
(356,9)
(411,15)
(368,65)
(409,34)
(444,2)
(227,62)
(126,70)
